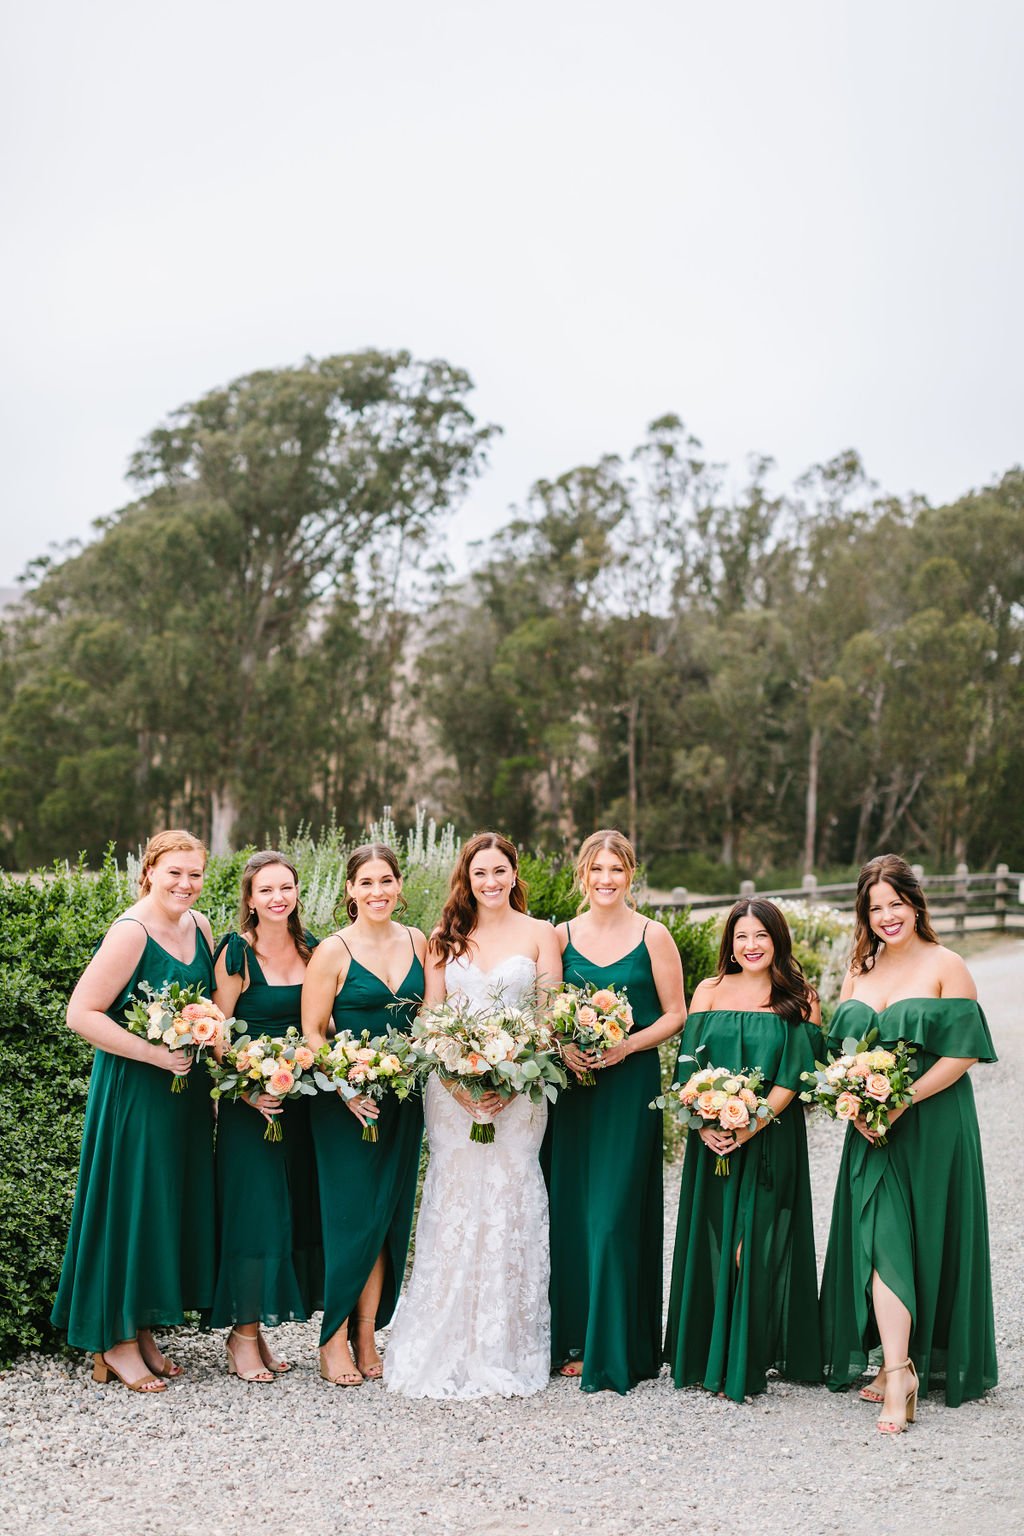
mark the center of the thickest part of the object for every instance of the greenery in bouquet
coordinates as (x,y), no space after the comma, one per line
(278,1066)
(180,1018)
(365,1066)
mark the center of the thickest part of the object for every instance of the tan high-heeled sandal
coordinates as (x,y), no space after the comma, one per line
(353,1378)
(869,1395)
(372,1372)
(263,1377)
(278,1366)
(102,1371)
(894,1426)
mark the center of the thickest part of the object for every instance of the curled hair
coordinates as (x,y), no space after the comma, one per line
(615,842)
(791,993)
(356,859)
(248,921)
(896,872)
(171,841)
(451,937)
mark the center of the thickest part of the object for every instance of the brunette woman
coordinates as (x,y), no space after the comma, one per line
(744,1284)
(908,1258)
(604,1152)
(140,1250)
(367,976)
(270,1261)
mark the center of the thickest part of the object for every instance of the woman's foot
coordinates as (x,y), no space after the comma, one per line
(899,1406)
(368,1361)
(244,1358)
(156,1361)
(571,1368)
(336,1364)
(126,1362)
(279,1366)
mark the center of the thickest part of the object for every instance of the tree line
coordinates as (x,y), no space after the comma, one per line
(744,679)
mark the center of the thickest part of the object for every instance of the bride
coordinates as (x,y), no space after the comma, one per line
(475,1320)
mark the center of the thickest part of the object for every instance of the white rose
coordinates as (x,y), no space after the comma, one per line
(268,1067)
(170,1038)
(154,1032)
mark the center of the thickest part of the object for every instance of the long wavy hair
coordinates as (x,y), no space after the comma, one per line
(364,854)
(615,842)
(896,872)
(174,840)
(791,993)
(458,919)
(248,921)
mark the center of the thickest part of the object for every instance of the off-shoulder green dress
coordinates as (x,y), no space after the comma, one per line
(367,1188)
(603,1162)
(915,1211)
(269,1248)
(729,1323)
(140,1252)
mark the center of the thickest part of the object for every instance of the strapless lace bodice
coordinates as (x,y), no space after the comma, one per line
(513,980)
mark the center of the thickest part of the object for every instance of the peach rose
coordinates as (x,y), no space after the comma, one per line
(706,1103)
(181,1025)
(303,1057)
(364,1053)
(604,1000)
(243,1061)
(847,1106)
(586,1018)
(475,1062)
(204,1030)
(876,1086)
(614,1033)
(734,1115)
(858,1068)
(281,1082)
(749,1097)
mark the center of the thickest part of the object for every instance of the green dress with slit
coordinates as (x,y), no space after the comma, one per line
(367,1188)
(140,1252)
(269,1248)
(729,1323)
(915,1211)
(603,1163)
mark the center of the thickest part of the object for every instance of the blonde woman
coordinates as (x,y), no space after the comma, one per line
(604,1155)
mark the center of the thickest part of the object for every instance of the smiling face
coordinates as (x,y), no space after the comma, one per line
(891,916)
(752,946)
(273,893)
(375,889)
(176,879)
(607,880)
(491,878)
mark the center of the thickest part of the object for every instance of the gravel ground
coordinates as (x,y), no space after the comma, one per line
(213,1457)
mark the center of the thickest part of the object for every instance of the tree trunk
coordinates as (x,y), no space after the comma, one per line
(811,803)
(632,717)
(223,815)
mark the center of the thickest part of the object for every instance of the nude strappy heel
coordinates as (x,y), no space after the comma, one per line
(262,1377)
(102,1371)
(893,1426)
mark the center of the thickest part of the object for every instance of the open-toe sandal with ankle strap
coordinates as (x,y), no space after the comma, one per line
(262,1376)
(103,1371)
(897,1426)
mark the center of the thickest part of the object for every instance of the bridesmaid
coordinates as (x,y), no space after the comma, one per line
(744,1294)
(908,1258)
(604,1155)
(140,1250)
(369,977)
(269,1269)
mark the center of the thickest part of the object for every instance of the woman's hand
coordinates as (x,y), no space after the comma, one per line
(740,1138)
(178,1062)
(579,1061)
(614,1056)
(872,1136)
(267,1105)
(720,1142)
(489,1106)
(365,1109)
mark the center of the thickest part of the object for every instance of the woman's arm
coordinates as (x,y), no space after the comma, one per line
(434,988)
(103,979)
(325,974)
(227,989)
(667,969)
(549,964)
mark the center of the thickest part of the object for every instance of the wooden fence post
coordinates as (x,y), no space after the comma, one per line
(747,889)
(1002,887)
(960,891)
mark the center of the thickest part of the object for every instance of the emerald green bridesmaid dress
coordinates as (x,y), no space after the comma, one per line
(269,1249)
(603,1164)
(915,1211)
(367,1188)
(140,1253)
(729,1324)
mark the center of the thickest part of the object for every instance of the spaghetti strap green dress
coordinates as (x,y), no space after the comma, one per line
(140,1252)
(269,1248)
(367,1188)
(603,1164)
(915,1211)
(729,1324)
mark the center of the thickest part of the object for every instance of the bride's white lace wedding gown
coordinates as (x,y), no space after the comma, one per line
(475,1321)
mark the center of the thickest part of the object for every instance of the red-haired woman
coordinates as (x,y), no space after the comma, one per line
(604,1154)
(141,1246)
(744,1284)
(475,1321)
(908,1260)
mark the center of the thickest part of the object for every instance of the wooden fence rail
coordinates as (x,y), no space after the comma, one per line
(981,902)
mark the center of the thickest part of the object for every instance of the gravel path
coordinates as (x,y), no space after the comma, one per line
(214,1457)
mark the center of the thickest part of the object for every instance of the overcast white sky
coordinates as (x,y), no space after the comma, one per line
(798,225)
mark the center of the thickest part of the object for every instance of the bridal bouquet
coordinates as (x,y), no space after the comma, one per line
(592,1018)
(181,1017)
(278,1065)
(717,1096)
(862,1084)
(358,1065)
(505,1050)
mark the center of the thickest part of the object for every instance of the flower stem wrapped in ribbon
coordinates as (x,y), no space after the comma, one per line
(863,1083)
(717,1096)
(280,1066)
(506,1050)
(180,1018)
(361,1066)
(592,1018)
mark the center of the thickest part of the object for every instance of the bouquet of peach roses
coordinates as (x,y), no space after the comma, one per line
(180,1017)
(592,1018)
(358,1066)
(278,1065)
(862,1084)
(717,1096)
